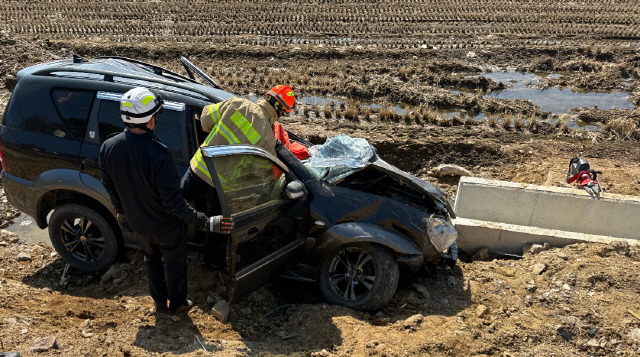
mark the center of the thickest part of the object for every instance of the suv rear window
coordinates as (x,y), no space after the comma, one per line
(73,107)
(168,127)
(65,116)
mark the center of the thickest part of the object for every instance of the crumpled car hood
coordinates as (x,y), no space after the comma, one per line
(415,183)
(353,163)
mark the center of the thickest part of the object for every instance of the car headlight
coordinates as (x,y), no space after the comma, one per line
(441,232)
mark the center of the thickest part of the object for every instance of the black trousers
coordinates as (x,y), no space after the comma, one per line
(165,257)
(206,200)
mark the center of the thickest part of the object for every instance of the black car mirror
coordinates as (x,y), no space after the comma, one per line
(295,190)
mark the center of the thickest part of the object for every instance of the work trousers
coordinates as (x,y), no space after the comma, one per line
(206,200)
(165,257)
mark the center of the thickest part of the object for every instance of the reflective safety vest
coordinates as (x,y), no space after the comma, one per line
(235,121)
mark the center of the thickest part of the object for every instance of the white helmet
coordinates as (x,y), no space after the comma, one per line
(138,105)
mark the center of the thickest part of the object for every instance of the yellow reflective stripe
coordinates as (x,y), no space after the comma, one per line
(199,162)
(147,99)
(243,124)
(127,104)
(207,140)
(214,112)
(220,127)
(224,130)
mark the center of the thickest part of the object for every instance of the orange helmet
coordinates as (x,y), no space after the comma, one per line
(283,95)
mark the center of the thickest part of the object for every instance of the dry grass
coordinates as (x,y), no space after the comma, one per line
(407,116)
(351,111)
(623,128)
(518,123)
(387,114)
(366,113)
(328,111)
(492,120)
(562,124)
(429,116)
(532,125)
(506,123)
(562,119)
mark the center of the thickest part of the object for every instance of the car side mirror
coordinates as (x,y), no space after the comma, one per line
(295,190)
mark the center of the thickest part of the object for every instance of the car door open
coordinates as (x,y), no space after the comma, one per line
(251,186)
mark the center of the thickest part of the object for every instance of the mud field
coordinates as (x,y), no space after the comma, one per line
(509,90)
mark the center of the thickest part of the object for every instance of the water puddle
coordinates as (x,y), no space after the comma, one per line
(27,229)
(553,100)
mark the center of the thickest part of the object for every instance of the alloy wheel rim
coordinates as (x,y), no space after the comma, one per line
(82,239)
(352,273)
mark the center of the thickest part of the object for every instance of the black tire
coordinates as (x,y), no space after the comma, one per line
(368,285)
(82,237)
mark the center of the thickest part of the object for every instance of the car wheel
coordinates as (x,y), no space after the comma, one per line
(82,237)
(359,276)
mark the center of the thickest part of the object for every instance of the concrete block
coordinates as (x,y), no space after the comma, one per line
(509,238)
(554,208)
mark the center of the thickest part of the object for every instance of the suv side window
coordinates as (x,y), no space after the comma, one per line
(168,127)
(65,115)
(73,107)
(109,120)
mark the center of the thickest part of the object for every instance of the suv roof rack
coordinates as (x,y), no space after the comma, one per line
(156,69)
(109,75)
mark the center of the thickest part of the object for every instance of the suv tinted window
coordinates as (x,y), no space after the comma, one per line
(109,120)
(73,107)
(168,129)
(33,113)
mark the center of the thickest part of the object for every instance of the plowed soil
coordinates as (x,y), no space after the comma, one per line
(579,300)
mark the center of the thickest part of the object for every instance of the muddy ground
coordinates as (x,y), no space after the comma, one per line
(578,300)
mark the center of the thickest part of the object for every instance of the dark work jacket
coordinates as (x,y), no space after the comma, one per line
(141,177)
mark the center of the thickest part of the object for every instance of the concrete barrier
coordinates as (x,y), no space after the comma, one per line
(506,215)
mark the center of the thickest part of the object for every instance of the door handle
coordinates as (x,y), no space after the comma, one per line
(253,230)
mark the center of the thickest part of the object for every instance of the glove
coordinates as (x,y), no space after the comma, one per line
(219,224)
(203,222)
(122,221)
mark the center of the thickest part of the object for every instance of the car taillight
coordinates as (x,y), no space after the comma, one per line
(4,166)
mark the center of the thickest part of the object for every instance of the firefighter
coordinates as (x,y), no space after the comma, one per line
(234,121)
(143,183)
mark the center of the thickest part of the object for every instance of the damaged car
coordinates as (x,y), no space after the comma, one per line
(344,218)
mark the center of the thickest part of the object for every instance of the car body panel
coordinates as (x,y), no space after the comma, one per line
(28,195)
(414,183)
(361,232)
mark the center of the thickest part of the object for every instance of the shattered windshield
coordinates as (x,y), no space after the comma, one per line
(339,157)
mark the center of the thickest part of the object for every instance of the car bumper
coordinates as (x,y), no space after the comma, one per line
(18,191)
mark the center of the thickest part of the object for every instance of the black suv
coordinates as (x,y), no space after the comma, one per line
(353,231)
